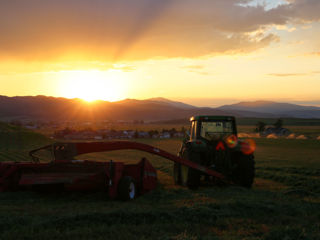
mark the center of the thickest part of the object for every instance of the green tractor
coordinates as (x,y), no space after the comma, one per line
(213,143)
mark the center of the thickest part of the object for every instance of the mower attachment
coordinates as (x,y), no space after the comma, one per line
(65,173)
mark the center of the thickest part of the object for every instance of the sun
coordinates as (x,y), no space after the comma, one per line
(93,85)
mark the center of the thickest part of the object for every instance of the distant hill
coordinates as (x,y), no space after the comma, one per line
(275,108)
(50,108)
(154,109)
(172,103)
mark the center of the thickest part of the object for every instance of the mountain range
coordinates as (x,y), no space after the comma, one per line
(153,109)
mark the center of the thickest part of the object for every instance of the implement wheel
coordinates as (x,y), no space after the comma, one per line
(127,189)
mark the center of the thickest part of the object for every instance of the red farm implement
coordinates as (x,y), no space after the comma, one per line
(124,181)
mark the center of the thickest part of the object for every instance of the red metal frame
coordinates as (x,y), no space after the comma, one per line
(72,174)
(83,148)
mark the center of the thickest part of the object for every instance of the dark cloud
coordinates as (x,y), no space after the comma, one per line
(140,29)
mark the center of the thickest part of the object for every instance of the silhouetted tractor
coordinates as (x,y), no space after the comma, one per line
(213,143)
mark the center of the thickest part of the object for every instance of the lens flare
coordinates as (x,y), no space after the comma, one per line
(231,141)
(248,146)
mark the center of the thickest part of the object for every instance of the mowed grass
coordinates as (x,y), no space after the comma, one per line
(16,142)
(284,203)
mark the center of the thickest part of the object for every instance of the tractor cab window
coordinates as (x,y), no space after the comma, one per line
(216,129)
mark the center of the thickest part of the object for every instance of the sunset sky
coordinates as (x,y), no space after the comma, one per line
(204,52)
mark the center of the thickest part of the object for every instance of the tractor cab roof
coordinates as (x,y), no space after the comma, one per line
(211,118)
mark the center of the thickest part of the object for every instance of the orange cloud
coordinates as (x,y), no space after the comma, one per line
(140,29)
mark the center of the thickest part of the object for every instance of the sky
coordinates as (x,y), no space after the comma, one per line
(202,52)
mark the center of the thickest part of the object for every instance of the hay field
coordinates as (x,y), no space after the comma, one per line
(284,202)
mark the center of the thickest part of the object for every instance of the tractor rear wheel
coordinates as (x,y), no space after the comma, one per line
(193,179)
(244,173)
(127,189)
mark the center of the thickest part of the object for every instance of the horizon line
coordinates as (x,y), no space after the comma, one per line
(199,102)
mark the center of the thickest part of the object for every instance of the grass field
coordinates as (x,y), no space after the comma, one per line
(284,202)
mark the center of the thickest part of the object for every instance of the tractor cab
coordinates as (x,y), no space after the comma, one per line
(212,128)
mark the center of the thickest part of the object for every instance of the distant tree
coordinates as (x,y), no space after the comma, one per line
(138,121)
(30,124)
(172,132)
(164,130)
(67,130)
(16,123)
(260,126)
(151,133)
(278,123)
(87,129)
(136,134)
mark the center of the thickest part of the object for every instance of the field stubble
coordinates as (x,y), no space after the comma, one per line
(284,202)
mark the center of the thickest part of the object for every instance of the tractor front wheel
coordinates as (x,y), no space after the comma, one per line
(184,175)
(177,173)
(190,177)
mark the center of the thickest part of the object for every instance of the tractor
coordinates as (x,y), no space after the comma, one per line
(214,144)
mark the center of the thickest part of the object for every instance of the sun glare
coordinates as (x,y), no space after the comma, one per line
(94,85)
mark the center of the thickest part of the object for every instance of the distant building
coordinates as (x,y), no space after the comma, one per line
(165,135)
(178,134)
(143,134)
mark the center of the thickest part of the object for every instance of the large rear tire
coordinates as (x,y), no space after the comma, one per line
(244,173)
(193,179)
